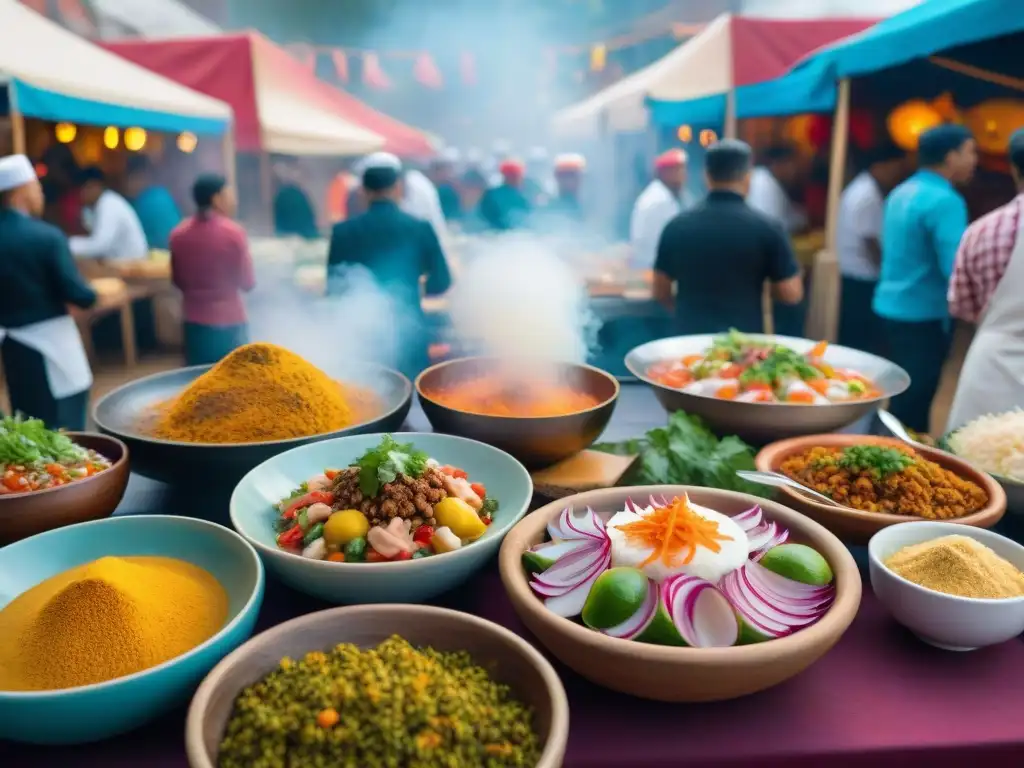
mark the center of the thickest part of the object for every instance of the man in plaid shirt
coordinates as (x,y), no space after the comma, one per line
(986,248)
(985,288)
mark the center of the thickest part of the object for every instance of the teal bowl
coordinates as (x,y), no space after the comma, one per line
(94,712)
(253,512)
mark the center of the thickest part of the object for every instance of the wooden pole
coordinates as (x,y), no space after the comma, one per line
(837,164)
(730,114)
(17,120)
(230,159)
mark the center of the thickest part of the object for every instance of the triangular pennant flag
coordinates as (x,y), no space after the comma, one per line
(340,60)
(373,75)
(467,68)
(426,72)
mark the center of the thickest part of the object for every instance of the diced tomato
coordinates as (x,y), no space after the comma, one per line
(486,519)
(730,371)
(454,471)
(479,490)
(676,379)
(403,555)
(15,482)
(324,497)
(373,556)
(291,538)
(728,392)
(423,534)
(819,385)
(330,474)
(800,396)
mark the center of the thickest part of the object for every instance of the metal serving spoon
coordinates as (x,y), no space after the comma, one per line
(778,480)
(899,431)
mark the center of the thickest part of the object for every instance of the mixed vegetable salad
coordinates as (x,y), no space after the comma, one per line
(742,369)
(392,503)
(34,458)
(676,573)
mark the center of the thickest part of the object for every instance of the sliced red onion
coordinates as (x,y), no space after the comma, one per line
(631,506)
(554,590)
(703,615)
(639,621)
(553,550)
(750,615)
(588,526)
(555,530)
(758,537)
(750,519)
(778,611)
(570,604)
(781,537)
(778,587)
(567,571)
(660,501)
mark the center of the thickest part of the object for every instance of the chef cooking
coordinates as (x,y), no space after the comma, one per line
(45,364)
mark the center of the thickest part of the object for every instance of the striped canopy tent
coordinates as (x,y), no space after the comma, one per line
(702,73)
(280,105)
(52,74)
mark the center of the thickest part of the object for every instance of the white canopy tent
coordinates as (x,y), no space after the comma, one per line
(702,66)
(150,18)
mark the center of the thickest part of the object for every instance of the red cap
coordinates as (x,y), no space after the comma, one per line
(568,163)
(673,158)
(514,168)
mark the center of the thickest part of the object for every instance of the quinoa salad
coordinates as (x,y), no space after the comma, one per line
(34,458)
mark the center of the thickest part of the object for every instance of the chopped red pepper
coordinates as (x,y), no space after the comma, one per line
(324,497)
(486,519)
(454,471)
(479,490)
(423,534)
(403,555)
(291,538)
(373,556)
(330,474)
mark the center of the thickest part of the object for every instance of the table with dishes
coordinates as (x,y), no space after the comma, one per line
(583,606)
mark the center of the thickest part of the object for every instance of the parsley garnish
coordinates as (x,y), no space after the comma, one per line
(28,441)
(386,462)
(879,460)
(490,506)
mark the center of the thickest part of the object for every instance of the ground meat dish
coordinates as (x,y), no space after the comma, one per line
(408,498)
(920,489)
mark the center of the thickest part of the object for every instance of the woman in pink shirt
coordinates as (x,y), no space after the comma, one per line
(211,266)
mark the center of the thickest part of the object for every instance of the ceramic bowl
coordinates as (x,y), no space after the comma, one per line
(760,423)
(26,514)
(253,513)
(1013,488)
(681,674)
(99,711)
(854,526)
(945,621)
(536,441)
(508,658)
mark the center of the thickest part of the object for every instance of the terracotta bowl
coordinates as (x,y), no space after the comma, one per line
(681,674)
(536,441)
(507,657)
(26,514)
(855,527)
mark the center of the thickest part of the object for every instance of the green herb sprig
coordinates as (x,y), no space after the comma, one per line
(386,462)
(881,461)
(28,441)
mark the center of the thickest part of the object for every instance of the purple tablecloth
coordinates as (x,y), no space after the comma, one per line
(879,698)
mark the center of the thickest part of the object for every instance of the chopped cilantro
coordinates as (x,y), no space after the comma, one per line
(490,506)
(386,462)
(881,461)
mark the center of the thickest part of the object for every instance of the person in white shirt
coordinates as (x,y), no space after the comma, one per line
(421,199)
(115,232)
(858,240)
(662,200)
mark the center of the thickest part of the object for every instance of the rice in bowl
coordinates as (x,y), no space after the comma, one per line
(994,443)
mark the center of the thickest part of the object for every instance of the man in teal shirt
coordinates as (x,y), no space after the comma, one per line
(153,203)
(922,224)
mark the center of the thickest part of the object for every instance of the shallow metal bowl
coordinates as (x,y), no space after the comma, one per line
(123,412)
(761,423)
(536,441)
(1014,488)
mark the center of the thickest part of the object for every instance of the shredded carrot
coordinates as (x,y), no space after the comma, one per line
(818,350)
(819,385)
(673,530)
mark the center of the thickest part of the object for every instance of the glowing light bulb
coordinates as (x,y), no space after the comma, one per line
(111,137)
(134,139)
(708,137)
(65,132)
(685,134)
(187,142)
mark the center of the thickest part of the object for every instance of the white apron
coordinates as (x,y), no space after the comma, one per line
(992,378)
(60,344)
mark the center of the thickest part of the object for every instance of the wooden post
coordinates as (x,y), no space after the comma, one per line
(230,159)
(823,315)
(17,120)
(730,115)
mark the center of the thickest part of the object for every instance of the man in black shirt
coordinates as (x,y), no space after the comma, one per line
(719,254)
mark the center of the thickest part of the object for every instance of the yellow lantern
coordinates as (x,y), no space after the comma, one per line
(65,132)
(187,142)
(993,122)
(908,121)
(134,139)
(111,137)
(598,57)
(685,134)
(708,137)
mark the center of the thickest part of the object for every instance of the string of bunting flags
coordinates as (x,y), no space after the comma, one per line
(427,73)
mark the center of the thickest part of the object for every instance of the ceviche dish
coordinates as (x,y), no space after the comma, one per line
(747,370)
(34,458)
(392,503)
(672,572)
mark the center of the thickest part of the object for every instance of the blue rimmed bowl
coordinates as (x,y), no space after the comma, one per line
(254,512)
(99,711)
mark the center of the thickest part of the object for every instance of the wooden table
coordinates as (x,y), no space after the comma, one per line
(108,305)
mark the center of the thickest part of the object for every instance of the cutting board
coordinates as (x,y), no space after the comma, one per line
(586,471)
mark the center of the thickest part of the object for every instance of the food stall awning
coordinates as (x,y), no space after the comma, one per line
(265,85)
(974,37)
(55,75)
(731,51)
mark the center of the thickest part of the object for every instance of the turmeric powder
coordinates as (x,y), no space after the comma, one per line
(107,619)
(259,392)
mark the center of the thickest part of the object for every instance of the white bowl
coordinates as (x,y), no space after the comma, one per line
(945,621)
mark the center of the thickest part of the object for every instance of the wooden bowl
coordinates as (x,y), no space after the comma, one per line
(671,674)
(26,514)
(507,657)
(537,442)
(855,527)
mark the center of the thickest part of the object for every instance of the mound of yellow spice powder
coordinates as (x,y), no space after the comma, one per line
(259,392)
(107,619)
(958,565)
(393,705)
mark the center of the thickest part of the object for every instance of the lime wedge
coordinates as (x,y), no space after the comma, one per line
(799,563)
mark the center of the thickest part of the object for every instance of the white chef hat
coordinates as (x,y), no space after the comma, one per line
(15,171)
(379,161)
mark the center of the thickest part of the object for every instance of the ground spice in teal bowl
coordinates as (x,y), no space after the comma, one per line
(393,706)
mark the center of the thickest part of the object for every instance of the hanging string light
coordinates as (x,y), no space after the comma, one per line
(187,142)
(111,137)
(65,132)
(685,134)
(708,137)
(134,139)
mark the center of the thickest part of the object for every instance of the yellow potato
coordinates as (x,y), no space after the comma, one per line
(462,519)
